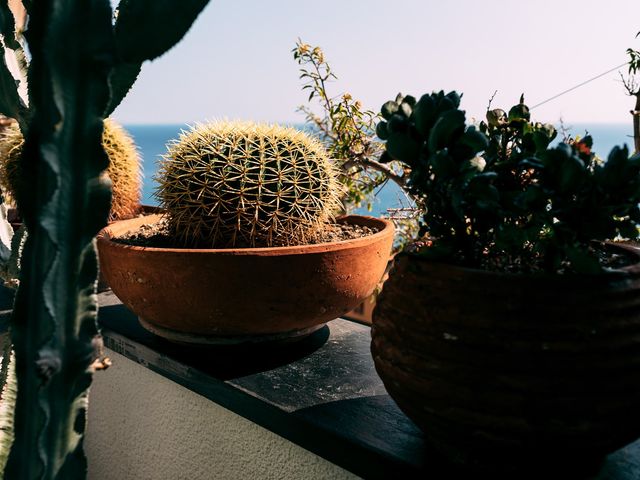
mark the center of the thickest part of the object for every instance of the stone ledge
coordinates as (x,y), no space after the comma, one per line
(321,393)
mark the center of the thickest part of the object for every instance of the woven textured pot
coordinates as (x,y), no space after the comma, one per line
(512,369)
(243,294)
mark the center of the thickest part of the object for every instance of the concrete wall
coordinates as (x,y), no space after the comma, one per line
(145,427)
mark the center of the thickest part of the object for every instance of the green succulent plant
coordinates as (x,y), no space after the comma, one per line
(123,171)
(500,196)
(228,184)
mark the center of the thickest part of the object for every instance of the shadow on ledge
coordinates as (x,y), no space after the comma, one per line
(222,362)
(377,422)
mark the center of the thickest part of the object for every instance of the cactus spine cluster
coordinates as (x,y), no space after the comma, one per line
(227,184)
(123,171)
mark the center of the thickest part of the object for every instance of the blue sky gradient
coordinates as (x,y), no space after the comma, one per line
(236,61)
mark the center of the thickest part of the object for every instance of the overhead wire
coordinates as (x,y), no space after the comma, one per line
(579,85)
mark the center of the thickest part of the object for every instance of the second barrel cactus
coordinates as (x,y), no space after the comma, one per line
(124,168)
(242,184)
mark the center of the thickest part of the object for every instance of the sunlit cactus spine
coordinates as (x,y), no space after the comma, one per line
(242,184)
(124,168)
(11,142)
(124,171)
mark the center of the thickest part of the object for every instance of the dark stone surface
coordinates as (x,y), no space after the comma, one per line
(322,393)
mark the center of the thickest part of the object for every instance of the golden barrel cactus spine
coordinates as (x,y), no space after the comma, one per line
(124,171)
(241,184)
(124,168)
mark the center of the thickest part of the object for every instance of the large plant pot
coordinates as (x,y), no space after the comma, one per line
(244,294)
(103,285)
(504,370)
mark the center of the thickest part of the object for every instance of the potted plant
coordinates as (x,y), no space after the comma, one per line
(509,334)
(248,250)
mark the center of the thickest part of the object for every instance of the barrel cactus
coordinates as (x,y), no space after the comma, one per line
(241,184)
(124,171)
(124,168)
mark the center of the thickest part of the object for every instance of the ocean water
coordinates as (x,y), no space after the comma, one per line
(152,141)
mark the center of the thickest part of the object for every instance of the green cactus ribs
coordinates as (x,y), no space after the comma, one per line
(237,184)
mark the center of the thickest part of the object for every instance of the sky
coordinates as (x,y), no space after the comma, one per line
(236,61)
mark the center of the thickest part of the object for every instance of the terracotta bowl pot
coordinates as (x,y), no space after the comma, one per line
(215,295)
(512,370)
(103,285)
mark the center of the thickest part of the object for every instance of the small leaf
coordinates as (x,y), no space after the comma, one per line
(411,101)
(442,164)
(388,109)
(405,109)
(531,199)
(381,131)
(496,117)
(397,123)
(519,112)
(475,165)
(402,147)
(628,230)
(424,114)
(450,124)
(474,139)
(484,194)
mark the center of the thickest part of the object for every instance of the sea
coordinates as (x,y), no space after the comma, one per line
(152,142)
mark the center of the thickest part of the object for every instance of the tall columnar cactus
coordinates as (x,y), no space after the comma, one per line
(54,327)
(123,171)
(244,184)
(81,67)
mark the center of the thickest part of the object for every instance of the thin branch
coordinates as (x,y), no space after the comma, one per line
(491,100)
(400,180)
(630,85)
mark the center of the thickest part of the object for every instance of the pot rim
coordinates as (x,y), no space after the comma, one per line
(106,234)
(626,271)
